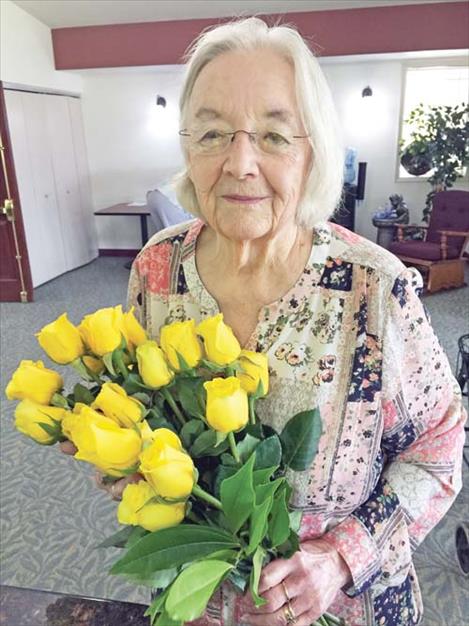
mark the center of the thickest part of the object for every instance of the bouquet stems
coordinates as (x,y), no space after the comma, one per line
(203,495)
(172,403)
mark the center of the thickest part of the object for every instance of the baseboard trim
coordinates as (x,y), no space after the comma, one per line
(118,252)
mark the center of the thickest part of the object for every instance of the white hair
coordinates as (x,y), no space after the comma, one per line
(323,186)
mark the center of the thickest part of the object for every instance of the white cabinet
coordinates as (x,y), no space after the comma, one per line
(51,168)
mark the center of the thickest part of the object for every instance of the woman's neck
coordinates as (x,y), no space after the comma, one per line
(289,250)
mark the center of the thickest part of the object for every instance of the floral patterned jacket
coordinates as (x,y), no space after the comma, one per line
(351,337)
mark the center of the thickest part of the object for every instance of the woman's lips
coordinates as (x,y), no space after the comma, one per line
(244,199)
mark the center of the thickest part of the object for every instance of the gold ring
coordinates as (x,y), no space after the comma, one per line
(284,587)
(289,615)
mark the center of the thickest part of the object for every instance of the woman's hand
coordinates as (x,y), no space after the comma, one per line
(114,489)
(310,580)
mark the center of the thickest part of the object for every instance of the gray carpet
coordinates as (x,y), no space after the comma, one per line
(52,515)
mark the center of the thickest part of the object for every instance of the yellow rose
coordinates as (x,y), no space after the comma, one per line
(152,365)
(146,433)
(133,330)
(221,346)
(134,511)
(227,404)
(114,402)
(102,442)
(61,340)
(181,338)
(93,364)
(33,381)
(102,330)
(168,469)
(29,415)
(255,370)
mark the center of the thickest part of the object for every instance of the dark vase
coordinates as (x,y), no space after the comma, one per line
(416,164)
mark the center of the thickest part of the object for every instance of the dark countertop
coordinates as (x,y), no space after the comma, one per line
(31,607)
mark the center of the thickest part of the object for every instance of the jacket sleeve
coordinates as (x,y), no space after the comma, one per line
(423,435)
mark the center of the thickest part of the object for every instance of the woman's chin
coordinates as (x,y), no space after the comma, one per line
(243,225)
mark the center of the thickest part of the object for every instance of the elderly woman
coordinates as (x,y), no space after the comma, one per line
(338,316)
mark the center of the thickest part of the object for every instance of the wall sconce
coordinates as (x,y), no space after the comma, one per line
(367,92)
(160,101)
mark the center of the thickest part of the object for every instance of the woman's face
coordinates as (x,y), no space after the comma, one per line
(244,192)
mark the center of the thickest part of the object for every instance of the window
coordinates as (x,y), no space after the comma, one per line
(441,85)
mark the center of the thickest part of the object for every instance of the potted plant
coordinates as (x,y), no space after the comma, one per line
(439,142)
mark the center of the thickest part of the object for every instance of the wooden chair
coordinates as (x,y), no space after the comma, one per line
(440,254)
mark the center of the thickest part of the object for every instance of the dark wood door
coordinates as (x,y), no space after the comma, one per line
(15,274)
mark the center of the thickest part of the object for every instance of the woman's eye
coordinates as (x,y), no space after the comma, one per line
(275,138)
(211,135)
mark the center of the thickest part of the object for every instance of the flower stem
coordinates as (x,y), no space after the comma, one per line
(333,620)
(234,449)
(170,400)
(252,413)
(203,495)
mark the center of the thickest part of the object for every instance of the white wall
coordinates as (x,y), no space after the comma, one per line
(371,125)
(26,55)
(133,145)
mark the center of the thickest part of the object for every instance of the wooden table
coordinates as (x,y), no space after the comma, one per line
(127,209)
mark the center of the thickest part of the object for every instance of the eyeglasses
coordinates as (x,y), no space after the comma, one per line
(214,141)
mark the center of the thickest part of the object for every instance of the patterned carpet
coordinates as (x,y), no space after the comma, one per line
(52,516)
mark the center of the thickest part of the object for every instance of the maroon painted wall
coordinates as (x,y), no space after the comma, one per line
(441,26)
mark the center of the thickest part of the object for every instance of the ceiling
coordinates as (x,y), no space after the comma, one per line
(63,13)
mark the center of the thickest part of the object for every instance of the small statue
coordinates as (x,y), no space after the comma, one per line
(395,210)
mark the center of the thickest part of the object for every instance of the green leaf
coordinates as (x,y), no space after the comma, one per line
(247,446)
(190,431)
(295,520)
(53,431)
(119,538)
(267,490)
(156,606)
(268,453)
(107,360)
(263,475)
(142,397)
(134,384)
(60,401)
(154,580)
(81,368)
(228,459)
(258,524)
(220,438)
(237,495)
(300,439)
(193,588)
(82,394)
(279,522)
(257,561)
(158,422)
(291,545)
(222,472)
(204,442)
(191,395)
(206,445)
(172,547)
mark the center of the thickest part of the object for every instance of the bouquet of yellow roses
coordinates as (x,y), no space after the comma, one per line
(212,503)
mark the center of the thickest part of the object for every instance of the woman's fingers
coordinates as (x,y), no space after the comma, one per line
(116,488)
(67,447)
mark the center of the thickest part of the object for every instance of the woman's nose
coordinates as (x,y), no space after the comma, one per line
(241,159)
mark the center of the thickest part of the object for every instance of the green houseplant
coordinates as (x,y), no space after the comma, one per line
(439,141)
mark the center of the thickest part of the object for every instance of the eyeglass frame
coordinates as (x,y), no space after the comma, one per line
(251,133)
